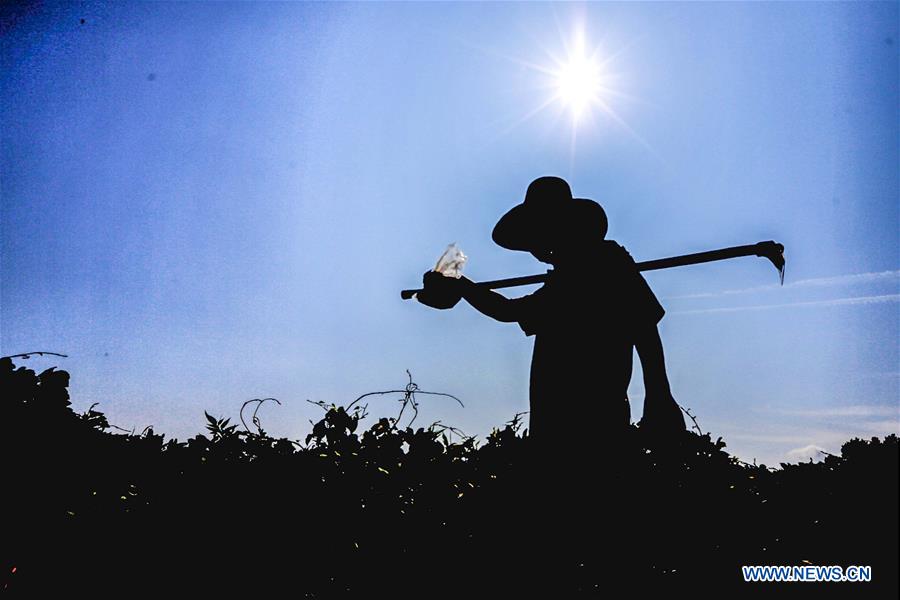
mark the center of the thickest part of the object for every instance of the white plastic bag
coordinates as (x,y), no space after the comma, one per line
(451,262)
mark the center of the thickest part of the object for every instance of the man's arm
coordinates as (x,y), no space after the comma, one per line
(660,409)
(653,362)
(489,302)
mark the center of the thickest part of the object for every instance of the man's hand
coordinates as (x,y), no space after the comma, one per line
(441,292)
(662,414)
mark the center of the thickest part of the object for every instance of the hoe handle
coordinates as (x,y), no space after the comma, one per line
(769,249)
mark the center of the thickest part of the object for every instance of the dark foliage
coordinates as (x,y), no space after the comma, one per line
(403,512)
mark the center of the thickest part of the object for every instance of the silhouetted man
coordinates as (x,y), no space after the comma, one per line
(588,317)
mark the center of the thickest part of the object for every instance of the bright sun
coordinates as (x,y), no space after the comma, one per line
(582,82)
(578,79)
(578,83)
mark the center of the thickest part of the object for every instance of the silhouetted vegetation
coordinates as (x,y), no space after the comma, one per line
(393,510)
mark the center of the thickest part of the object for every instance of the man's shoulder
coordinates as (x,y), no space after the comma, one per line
(614,254)
(612,246)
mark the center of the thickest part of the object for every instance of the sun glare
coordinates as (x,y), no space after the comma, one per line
(579,83)
(578,80)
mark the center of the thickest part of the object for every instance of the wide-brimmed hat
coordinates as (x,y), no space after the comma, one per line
(548,212)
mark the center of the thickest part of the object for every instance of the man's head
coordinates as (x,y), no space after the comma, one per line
(550,222)
(543,254)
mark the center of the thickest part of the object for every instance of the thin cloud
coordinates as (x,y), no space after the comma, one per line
(806,453)
(880,428)
(852,279)
(858,300)
(765,438)
(859,410)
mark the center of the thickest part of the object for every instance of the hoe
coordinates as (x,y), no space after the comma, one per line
(770,250)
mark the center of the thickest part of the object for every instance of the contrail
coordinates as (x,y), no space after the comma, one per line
(855,278)
(836,302)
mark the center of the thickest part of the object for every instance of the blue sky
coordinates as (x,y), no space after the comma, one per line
(205,203)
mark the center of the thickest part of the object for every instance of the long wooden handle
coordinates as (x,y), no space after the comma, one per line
(769,249)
